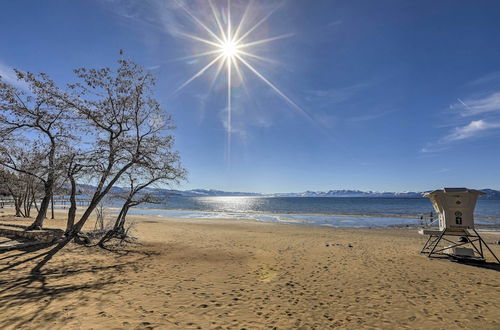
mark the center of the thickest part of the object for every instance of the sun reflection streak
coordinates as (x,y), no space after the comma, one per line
(228,60)
(202,25)
(258,42)
(219,24)
(276,89)
(199,73)
(217,73)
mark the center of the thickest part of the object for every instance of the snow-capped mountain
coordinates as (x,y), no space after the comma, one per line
(159,192)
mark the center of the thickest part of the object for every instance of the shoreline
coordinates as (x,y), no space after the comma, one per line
(369,215)
(62,207)
(486,225)
(403,216)
(300,218)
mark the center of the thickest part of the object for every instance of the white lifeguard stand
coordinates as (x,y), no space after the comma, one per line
(455,207)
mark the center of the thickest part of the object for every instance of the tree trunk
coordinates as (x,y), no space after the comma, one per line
(27,202)
(121,226)
(34,200)
(121,216)
(98,195)
(17,206)
(52,205)
(92,205)
(69,236)
(44,206)
(48,188)
(118,228)
(111,233)
(17,202)
(72,208)
(27,206)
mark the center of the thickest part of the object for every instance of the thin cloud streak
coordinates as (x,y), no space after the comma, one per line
(486,79)
(486,104)
(474,129)
(369,117)
(336,95)
(470,130)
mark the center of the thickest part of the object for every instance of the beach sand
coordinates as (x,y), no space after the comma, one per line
(218,274)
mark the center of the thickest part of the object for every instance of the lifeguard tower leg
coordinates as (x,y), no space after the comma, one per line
(480,250)
(437,242)
(481,240)
(425,245)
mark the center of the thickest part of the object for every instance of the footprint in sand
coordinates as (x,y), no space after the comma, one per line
(267,274)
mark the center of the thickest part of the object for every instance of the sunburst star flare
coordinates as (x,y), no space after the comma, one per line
(230,47)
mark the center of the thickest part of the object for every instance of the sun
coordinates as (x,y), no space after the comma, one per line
(229,49)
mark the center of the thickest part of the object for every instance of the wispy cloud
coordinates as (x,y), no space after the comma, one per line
(334,23)
(370,116)
(236,129)
(431,148)
(153,13)
(174,17)
(472,116)
(474,106)
(486,79)
(335,95)
(153,67)
(9,76)
(474,129)
(326,120)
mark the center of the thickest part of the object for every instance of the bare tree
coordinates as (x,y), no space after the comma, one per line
(30,192)
(13,185)
(24,183)
(78,164)
(128,127)
(100,211)
(41,114)
(164,168)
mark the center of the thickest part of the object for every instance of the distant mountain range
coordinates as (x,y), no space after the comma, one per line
(490,193)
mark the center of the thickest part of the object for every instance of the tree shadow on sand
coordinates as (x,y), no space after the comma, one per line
(125,248)
(20,256)
(26,296)
(37,291)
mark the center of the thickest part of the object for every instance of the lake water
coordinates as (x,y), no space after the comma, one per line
(327,211)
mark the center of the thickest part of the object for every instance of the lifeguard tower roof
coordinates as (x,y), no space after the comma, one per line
(454,190)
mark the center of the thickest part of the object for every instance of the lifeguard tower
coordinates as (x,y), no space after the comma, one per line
(455,207)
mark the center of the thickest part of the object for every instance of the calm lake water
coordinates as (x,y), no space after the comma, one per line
(327,211)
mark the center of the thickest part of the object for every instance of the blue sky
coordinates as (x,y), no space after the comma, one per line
(403,95)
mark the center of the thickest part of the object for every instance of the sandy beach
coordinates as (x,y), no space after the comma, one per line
(228,274)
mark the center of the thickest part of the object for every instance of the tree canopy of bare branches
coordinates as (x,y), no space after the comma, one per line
(128,125)
(105,129)
(41,115)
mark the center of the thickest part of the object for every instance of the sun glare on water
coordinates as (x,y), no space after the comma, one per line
(230,48)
